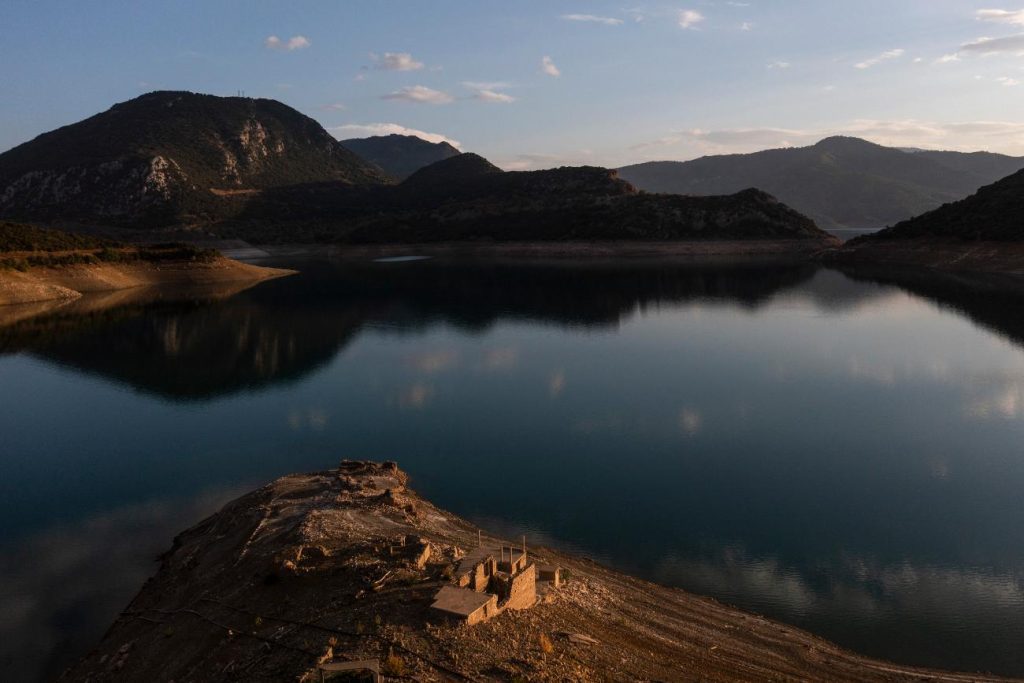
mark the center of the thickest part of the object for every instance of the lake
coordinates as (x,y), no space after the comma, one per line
(842,452)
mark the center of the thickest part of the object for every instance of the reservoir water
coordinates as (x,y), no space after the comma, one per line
(840,452)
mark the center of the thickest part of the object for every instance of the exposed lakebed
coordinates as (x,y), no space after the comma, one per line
(841,454)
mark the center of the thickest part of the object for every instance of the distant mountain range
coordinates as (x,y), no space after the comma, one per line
(400,155)
(258,169)
(171,158)
(841,182)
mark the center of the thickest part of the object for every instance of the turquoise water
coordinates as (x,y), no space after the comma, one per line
(839,453)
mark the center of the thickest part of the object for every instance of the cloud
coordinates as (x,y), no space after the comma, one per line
(990,46)
(1002,16)
(548,67)
(689,18)
(419,94)
(592,18)
(878,59)
(334,106)
(293,43)
(747,26)
(489,91)
(1006,80)
(556,383)
(395,61)
(690,421)
(415,396)
(779,65)
(493,96)
(357,130)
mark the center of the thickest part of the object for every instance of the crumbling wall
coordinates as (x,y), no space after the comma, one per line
(522,590)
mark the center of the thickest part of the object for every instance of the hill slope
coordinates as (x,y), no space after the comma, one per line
(171,157)
(400,155)
(993,213)
(839,182)
(466,198)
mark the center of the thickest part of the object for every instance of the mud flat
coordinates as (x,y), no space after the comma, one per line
(324,569)
(67,282)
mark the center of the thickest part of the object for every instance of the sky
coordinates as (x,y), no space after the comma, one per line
(535,84)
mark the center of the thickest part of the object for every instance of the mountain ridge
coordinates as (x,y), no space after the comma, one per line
(400,155)
(171,157)
(840,182)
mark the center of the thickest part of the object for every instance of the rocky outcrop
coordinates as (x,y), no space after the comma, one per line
(171,158)
(303,574)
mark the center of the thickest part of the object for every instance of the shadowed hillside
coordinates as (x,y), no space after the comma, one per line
(400,155)
(840,182)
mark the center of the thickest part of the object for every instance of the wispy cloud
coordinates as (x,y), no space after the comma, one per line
(361,130)
(689,18)
(293,43)
(489,91)
(418,94)
(334,106)
(878,59)
(779,65)
(1002,16)
(395,61)
(592,18)
(989,46)
(547,65)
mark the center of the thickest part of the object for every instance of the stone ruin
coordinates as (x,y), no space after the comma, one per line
(484,587)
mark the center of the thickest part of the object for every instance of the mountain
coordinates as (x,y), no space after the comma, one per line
(400,155)
(994,213)
(840,182)
(171,158)
(466,198)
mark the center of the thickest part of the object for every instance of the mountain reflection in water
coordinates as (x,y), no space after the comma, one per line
(839,452)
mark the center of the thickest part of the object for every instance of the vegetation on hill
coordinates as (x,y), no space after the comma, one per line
(24,237)
(25,246)
(400,155)
(171,157)
(840,182)
(466,198)
(993,213)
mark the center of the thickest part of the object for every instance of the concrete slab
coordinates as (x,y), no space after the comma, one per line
(461,602)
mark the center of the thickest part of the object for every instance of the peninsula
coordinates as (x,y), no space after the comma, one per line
(350,569)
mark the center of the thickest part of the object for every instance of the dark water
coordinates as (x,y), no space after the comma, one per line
(839,453)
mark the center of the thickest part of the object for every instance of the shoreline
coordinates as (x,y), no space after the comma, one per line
(304,571)
(941,255)
(40,284)
(697,249)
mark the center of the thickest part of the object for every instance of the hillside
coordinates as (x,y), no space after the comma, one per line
(466,198)
(316,570)
(995,212)
(400,155)
(840,182)
(171,157)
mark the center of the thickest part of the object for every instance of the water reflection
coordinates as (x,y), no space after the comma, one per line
(837,451)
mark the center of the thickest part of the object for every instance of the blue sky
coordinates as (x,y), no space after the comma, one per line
(536,84)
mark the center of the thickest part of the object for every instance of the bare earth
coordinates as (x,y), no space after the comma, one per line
(40,284)
(299,573)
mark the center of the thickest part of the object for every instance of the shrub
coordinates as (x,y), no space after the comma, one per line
(392,665)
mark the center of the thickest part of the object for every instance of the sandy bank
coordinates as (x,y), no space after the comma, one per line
(304,571)
(43,283)
(950,255)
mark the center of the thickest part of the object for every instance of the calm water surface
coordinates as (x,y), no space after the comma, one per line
(841,454)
